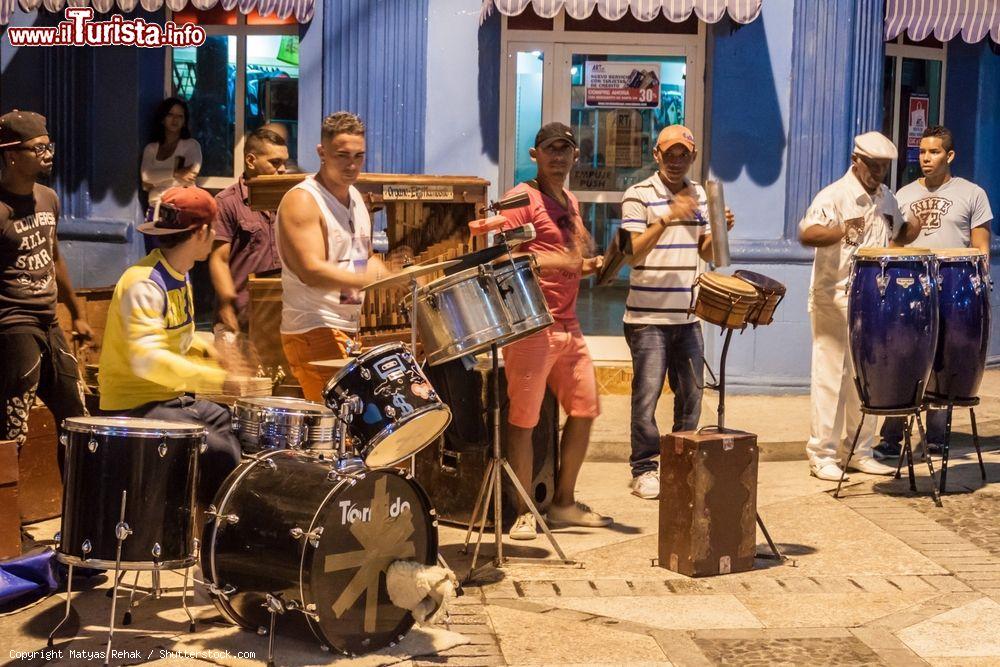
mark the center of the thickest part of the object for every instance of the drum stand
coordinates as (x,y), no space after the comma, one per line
(914,414)
(949,404)
(720,387)
(492,489)
(122,531)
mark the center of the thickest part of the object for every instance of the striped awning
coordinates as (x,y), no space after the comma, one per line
(709,11)
(302,10)
(943,18)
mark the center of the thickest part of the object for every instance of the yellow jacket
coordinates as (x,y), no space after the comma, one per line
(150,352)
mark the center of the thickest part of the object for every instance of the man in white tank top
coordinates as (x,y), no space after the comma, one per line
(324,237)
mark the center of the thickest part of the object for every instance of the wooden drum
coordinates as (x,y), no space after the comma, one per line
(724,300)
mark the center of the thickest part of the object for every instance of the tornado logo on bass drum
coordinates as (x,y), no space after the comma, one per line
(383,539)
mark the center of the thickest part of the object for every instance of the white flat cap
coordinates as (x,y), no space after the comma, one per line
(876,146)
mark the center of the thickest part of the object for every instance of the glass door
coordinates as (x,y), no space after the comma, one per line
(617,99)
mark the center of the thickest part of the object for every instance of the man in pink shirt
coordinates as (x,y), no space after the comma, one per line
(556,357)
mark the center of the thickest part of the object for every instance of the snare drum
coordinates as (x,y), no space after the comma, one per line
(724,300)
(399,413)
(517,281)
(964,325)
(155,464)
(770,293)
(274,422)
(461,314)
(892,314)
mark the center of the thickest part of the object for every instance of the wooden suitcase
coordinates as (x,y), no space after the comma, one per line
(10,519)
(40,486)
(708,501)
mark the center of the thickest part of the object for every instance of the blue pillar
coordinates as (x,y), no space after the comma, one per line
(374,64)
(837,65)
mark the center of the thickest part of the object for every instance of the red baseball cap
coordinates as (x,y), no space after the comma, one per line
(675,134)
(180,210)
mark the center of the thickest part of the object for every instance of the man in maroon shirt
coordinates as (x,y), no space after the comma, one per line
(244,239)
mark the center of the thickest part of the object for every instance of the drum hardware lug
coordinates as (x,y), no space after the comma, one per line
(92,444)
(273,604)
(432,300)
(213,513)
(57,538)
(122,531)
(925,282)
(162,449)
(261,630)
(883,282)
(157,550)
(203,447)
(977,284)
(63,439)
(86,547)
(313,537)
(271,465)
(324,647)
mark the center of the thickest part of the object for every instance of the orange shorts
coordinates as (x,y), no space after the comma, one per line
(314,345)
(556,357)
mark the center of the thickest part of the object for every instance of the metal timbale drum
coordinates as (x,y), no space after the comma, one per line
(147,465)
(289,532)
(964,325)
(398,413)
(723,300)
(274,422)
(770,293)
(517,282)
(893,320)
(461,314)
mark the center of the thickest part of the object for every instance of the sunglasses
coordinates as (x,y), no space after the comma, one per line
(40,149)
(165,216)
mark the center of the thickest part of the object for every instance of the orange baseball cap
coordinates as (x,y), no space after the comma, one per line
(675,134)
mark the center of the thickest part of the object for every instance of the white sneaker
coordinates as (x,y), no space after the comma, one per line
(867,464)
(523,528)
(577,514)
(646,485)
(830,472)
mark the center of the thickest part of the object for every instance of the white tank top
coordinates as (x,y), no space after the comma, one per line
(348,233)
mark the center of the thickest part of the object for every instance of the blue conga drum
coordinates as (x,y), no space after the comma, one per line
(964,325)
(893,320)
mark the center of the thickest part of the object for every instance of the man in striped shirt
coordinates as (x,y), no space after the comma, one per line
(667,215)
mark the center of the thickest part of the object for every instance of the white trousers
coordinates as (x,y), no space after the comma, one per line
(836,407)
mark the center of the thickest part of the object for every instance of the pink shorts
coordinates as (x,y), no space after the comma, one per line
(556,357)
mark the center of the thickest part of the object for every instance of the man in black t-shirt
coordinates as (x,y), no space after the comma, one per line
(33,276)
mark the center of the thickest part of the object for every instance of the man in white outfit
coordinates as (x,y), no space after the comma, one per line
(857,210)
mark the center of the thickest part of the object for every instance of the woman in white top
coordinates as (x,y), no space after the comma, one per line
(173,158)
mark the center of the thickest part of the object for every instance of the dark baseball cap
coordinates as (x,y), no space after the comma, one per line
(16,127)
(555,132)
(180,210)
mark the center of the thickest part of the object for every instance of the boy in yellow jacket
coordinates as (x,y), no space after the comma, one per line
(151,361)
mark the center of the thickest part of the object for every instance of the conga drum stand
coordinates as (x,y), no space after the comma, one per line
(914,414)
(720,387)
(492,489)
(949,405)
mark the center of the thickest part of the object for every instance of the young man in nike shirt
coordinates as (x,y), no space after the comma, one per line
(955,213)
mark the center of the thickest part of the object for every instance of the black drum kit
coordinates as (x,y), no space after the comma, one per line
(307,526)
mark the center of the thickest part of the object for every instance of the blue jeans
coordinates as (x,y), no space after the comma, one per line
(937,421)
(672,351)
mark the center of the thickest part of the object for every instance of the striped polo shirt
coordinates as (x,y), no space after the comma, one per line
(660,287)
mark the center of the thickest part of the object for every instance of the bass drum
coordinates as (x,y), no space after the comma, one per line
(287,525)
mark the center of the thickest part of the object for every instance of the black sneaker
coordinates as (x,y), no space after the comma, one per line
(887,450)
(935,448)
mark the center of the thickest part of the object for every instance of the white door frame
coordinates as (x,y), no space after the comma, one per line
(557,46)
(897,50)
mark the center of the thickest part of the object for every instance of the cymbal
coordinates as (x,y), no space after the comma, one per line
(333,363)
(411,272)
